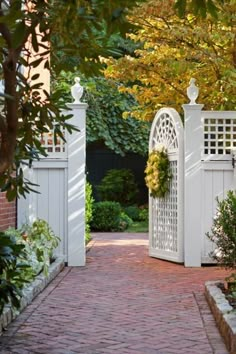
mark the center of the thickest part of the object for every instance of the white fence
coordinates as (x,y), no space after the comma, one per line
(61,180)
(209,146)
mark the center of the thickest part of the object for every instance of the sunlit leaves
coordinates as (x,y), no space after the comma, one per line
(174,50)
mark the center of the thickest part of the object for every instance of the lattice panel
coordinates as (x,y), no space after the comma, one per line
(219,136)
(52,148)
(165,133)
(165,217)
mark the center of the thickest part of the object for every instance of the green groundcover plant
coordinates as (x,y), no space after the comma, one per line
(24,253)
(13,264)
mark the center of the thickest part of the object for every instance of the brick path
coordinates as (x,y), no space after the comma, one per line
(122,302)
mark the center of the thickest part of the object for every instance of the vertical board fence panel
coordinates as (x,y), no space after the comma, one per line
(61,185)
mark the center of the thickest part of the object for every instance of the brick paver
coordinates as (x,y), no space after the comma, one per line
(122,302)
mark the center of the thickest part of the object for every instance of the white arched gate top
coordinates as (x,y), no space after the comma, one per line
(166,214)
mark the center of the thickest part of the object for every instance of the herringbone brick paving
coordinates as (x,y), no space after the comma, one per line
(122,302)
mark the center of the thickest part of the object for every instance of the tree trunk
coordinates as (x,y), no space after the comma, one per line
(9,132)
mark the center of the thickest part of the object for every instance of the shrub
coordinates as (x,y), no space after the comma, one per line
(11,270)
(106,216)
(143,214)
(119,186)
(133,212)
(124,222)
(223,232)
(88,211)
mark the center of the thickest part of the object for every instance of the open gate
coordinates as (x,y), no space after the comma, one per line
(166,214)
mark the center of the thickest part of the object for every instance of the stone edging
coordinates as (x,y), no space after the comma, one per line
(223,312)
(90,245)
(31,291)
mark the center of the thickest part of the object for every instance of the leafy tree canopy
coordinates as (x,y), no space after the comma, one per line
(30,33)
(174,50)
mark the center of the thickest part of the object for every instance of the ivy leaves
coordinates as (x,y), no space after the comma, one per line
(105,121)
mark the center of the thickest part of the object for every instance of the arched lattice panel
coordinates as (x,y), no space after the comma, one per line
(166,214)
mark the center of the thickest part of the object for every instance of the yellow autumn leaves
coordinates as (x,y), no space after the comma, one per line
(171,50)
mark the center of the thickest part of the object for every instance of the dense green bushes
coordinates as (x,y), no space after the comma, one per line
(133,212)
(106,216)
(119,185)
(110,216)
(117,211)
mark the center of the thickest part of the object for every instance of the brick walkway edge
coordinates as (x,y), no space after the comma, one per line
(122,302)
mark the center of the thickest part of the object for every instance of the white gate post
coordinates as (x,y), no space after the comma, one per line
(192,193)
(76,144)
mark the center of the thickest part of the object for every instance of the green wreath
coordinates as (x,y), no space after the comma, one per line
(158,173)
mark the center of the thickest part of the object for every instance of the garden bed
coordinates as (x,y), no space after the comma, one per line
(224,313)
(31,291)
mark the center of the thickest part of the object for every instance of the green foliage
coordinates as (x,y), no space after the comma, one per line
(198,7)
(11,266)
(24,253)
(70,33)
(119,186)
(133,212)
(106,216)
(158,173)
(137,213)
(138,226)
(88,210)
(42,241)
(143,214)
(82,32)
(223,232)
(125,222)
(105,121)
(35,267)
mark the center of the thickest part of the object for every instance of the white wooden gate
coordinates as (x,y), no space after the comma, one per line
(166,214)
(202,171)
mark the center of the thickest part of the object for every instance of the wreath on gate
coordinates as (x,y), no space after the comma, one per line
(158,173)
